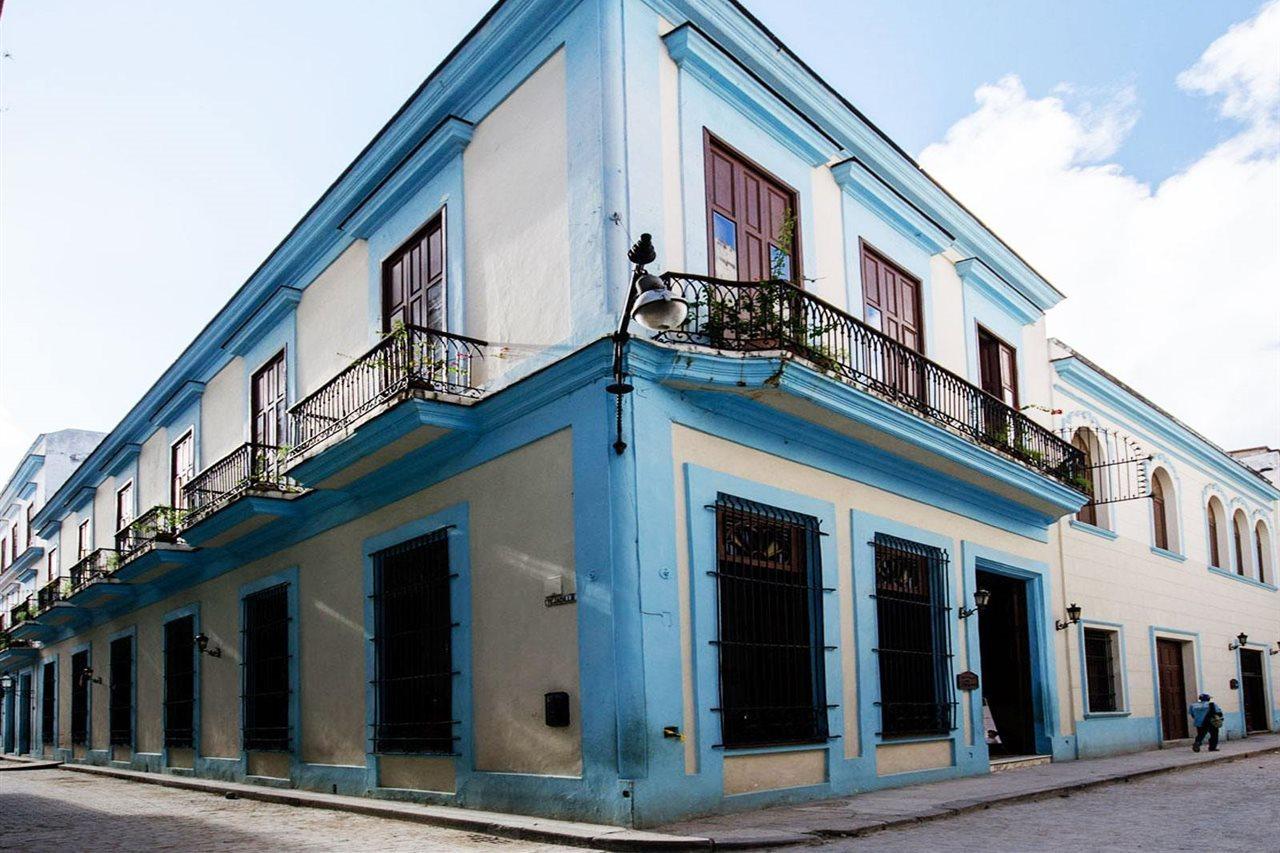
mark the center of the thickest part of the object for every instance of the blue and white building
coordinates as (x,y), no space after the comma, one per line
(410,519)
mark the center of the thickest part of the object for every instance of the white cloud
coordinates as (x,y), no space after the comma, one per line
(1174,288)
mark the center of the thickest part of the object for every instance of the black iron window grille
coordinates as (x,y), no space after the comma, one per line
(48,700)
(179,682)
(267,667)
(413,643)
(770,638)
(914,651)
(1100,670)
(79,698)
(120,692)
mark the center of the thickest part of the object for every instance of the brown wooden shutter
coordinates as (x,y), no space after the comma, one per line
(747,215)
(413,280)
(998,368)
(182,462)
(269,397)
(1089,512)
(1215,556)
(891,299)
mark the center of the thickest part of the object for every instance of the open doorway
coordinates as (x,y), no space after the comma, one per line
(1005,641)
(1253,691)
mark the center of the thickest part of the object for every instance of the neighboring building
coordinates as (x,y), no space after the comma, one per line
(459,569)
(1264,460)
(25,559)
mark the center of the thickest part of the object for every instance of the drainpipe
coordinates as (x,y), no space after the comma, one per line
(1071,681)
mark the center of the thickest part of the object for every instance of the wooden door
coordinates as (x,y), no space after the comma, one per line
(1173,690)
(1253,690)
(269,403)
(413,280)
(998,368)
(182,464)
(751,219)
(891,304)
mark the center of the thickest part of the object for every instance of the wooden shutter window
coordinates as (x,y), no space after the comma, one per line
(891,299)
(1215,556)
(269,396)
(182,462)
(752,220)
(1157,514)
(413,280)
(1089,512)
(998,368)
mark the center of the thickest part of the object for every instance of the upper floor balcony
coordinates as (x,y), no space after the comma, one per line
(237,494)
(777,318)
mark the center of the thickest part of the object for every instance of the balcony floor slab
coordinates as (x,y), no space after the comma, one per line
(155,560)
(239,518)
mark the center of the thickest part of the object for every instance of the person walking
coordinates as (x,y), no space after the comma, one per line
(1208,719)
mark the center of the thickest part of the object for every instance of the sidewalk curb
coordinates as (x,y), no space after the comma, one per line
(20,764)
(595,836)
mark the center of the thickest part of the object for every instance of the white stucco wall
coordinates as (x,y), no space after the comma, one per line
(223,415)
(332,318)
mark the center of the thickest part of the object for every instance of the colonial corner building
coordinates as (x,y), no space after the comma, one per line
(453,502)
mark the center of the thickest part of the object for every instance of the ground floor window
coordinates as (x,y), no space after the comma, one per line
(1101,655)
(120,722)
(48,698)
(413,644)
(179,682)
(266,667)
(914,650)
(80,698)
(769,603)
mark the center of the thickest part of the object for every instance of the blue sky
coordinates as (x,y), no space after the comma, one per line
(152,153)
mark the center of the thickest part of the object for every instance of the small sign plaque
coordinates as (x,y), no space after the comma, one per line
(967,681)
(560,598)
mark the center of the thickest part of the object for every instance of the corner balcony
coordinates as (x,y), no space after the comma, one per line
(755,329)
(151,545)
(410,389)
(236,495)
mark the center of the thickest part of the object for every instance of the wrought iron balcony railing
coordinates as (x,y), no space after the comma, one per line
(158,524)
(409,359)
(778,316)
(58,589)
(7,642)
(249,468)
(23,611)
(97,565)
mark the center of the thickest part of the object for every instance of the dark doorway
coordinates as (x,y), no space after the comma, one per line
(24,713)
(1253,689)
(1173,690)
(1006,666)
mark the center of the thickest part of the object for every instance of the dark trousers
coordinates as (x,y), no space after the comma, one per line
(1209,730)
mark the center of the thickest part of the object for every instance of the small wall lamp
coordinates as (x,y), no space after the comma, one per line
(1276,650)
(86,677)
(980,599)
(202,646)
(1073,617)
(1242,639)
(6,682)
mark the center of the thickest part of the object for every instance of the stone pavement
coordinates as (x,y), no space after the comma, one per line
(860,815)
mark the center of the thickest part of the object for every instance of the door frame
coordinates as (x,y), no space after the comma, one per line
(1195,672)
(1267,687)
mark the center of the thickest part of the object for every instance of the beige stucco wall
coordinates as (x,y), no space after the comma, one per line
(746,774)
(104,514)
(153,471)
(333,319)
(223,419)
(897,758)
(515,173)
(521,532)
(691,446)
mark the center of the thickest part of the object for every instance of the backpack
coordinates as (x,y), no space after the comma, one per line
(1216,717)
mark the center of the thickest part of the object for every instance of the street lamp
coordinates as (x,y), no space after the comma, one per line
(1242,639)
(202,646)
(1073,617)
(652,304)
(86,677)
(980,600)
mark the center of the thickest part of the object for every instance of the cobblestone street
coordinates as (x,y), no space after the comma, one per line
(62,810)
(1222,807)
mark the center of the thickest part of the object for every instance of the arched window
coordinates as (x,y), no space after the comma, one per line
(1080,440)
(1262,542)
(1240,533)
(1161,492)
(1217,526)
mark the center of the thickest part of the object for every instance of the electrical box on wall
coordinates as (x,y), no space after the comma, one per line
(557,709)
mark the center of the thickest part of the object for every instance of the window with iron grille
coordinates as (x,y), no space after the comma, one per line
(769,598)
(79,698)
(413,645)
(179,682)
(120,704)
(1100,670)
(267,663)
(914,650)
(48,698)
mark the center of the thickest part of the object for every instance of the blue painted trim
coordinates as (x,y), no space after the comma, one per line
(277,308)
(1093,529)
(287,576)
(1042,646)
(986,281)
(187,395)
(1214,570)
(1122,668)
(125,459)
(132,633)
(456,520)
(710,64)
(192,610)
(1169,555)
(28,562)
(878,197)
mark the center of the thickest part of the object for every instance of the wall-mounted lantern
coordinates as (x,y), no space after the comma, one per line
(980,599)
(86,677)
(202,646)
(1276,650)
(1242,639)
(1073,617)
